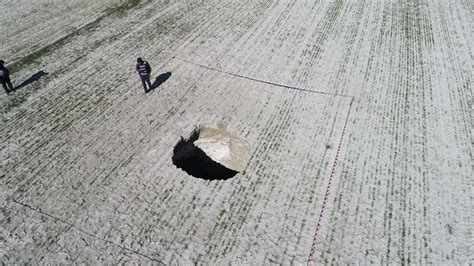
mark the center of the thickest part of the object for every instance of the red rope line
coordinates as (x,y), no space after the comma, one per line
(328,189)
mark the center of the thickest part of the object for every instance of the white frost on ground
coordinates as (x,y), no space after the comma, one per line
(86,171)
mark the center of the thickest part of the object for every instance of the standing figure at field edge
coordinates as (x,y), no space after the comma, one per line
(5,78)
(144,70)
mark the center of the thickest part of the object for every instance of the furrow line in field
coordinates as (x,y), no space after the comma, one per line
(222,31)
(320,36)
(353,25)
(262,40)
(253,36)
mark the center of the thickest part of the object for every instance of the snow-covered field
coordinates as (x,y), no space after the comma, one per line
(371,97)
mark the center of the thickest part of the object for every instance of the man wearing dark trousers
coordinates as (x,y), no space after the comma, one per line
(144,70)
(5,78)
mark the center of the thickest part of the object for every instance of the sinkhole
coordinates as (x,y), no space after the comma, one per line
(211,154)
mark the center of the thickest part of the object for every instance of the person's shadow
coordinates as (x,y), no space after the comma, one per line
(33,78)
(162,78)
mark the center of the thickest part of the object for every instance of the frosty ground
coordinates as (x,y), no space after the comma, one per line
(382,88)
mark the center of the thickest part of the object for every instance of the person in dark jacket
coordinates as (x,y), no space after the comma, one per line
(5,78)
(144,71)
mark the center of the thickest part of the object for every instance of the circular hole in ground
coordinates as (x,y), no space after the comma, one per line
(211,154)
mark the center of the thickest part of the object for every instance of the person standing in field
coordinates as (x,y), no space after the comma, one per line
(144,71)
(5,78)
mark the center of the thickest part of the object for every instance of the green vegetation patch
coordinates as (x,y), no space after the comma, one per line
(34,56)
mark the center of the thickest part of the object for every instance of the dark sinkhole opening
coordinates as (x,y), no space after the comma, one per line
(191,159)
